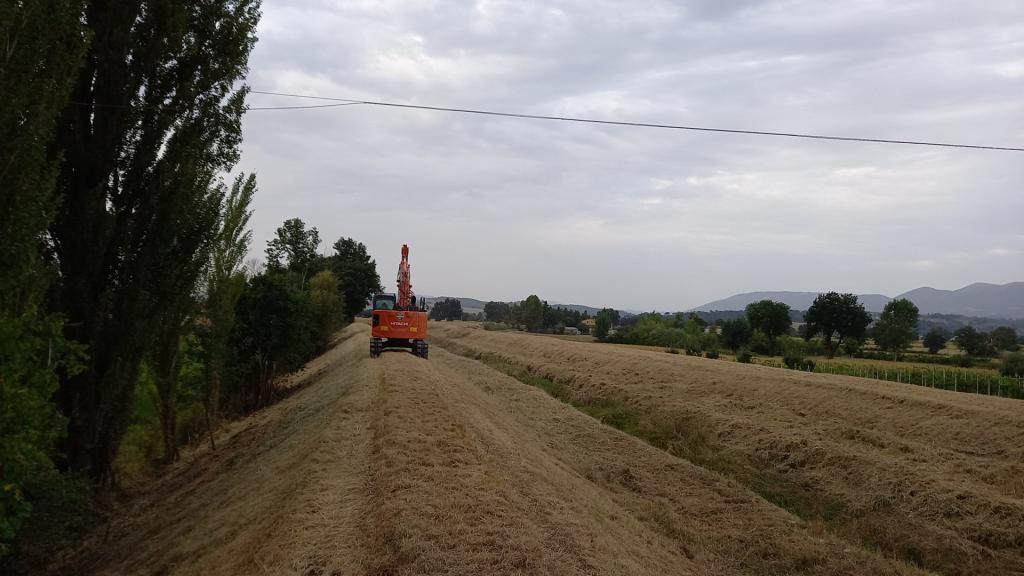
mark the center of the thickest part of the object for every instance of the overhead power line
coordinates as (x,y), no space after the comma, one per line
(630,124)
(302,107)
(95,105)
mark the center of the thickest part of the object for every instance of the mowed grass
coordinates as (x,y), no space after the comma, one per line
(883,467)
(681,436)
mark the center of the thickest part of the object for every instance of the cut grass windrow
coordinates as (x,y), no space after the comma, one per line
(682,436)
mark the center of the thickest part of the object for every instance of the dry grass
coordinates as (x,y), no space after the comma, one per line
(932,477)
(404,466)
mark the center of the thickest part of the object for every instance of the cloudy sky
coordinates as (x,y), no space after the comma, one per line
(637,218)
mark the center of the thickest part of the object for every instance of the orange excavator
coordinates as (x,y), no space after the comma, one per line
(399,322)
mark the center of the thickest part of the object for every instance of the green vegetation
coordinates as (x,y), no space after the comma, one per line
(971,380)
(128,325)
(294,249)
(356,273)
(770,319)
(972,342)
(795,357)
(897,327)
(835,315)
(498,312)
(935,340)
(328,308)
(680,331)
(447,309)
(736,333)
(1004,338)
(602,325)
(537,315)
(1013,365)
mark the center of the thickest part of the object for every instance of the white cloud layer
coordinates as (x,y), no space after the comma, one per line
(644,218)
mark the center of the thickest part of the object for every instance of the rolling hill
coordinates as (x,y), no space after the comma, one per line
(795,300)
(978,300)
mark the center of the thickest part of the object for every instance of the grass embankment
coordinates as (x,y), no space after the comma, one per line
(923,476)
(680,435)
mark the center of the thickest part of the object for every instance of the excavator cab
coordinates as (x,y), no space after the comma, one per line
(384,301)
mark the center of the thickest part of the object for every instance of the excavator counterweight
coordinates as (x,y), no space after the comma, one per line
(399,322)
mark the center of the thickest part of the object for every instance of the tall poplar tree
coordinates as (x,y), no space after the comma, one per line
(42,43)
(156,113)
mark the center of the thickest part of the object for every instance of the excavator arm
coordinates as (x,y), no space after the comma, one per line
(405,295)
(399,322)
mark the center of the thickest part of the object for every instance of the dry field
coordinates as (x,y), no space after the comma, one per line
(447,466)
(932,477)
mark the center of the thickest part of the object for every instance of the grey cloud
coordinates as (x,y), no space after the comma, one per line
(640,218)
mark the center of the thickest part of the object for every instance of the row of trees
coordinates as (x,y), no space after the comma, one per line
(677,331)
(447,309)
(839,321)
(833,322)
(975,343)
(122,247)
(117,120)
(537,315)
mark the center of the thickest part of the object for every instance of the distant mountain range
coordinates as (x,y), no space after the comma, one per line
(979,299)
(795,300)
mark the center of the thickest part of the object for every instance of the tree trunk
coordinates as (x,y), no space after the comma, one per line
(167,367)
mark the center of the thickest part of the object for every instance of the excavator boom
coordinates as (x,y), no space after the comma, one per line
(398,321)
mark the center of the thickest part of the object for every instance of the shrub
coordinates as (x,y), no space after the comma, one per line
(759,343)
(744,356)
(672,350)
(793,356)
(694,344)
(964,361)
(1012,365)
(713,354)
(851,347)
(492,326)
(736,333)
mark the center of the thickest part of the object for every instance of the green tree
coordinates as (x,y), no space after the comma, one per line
(274,333)
(447,309)
(222,285)
(736,333)
(1012,365)
(935,340)
(613,315)
(357,273)
(42,43)
(835,315)
(293,248)
(532,313)
(497,312)
(190,235)
(970,341)
(156,114)
(602,324)
(328,308)
(1004,338)
(770,318)
(897,326)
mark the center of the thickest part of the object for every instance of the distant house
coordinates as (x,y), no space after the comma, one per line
(590,323)
(572,331)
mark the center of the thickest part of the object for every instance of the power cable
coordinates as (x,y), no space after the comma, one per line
(642,124)
(95,105)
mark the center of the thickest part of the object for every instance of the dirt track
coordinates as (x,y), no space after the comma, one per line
(405,466)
